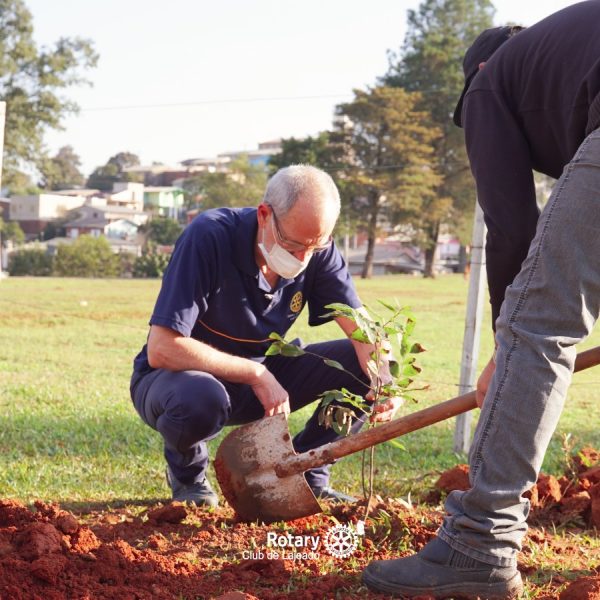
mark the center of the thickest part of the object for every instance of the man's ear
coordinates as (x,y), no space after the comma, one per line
(263,211)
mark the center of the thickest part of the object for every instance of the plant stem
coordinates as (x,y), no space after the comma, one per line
(371,478)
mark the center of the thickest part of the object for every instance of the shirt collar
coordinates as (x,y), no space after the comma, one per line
(243,245)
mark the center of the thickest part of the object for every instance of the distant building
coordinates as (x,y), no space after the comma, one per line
(166,175)
(389,257)
(160,175)
(113,222)
(127,195)
(87,193)
(257,157)
(218,164)
(166,201)
(34,212)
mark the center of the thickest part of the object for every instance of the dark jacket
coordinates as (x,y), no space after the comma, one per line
(529,108)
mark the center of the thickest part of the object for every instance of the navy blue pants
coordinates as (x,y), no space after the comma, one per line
(190,407)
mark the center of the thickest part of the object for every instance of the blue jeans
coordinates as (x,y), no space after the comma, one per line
(188,408)
(551,306)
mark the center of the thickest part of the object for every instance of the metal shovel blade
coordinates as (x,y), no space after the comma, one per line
(245,466)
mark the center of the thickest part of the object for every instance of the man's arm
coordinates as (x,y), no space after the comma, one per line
(502,166)
(168,349)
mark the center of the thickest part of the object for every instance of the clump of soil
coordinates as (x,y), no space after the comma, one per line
(585,588)
(572,497)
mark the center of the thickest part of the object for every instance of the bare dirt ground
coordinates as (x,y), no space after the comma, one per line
(184,553)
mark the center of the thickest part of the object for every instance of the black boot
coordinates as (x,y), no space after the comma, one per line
(442,572)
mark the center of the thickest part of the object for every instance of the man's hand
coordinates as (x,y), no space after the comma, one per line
(270,394)
(385,410)
(484,381)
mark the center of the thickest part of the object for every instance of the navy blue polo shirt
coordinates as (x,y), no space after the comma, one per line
(213,290)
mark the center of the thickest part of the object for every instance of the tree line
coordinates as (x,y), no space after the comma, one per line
(393,150)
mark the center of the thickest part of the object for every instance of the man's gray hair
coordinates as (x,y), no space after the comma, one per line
(290,183)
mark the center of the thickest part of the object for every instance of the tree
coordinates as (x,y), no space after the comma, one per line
(439,33)
(21,184)
(11,230)
(31,82)
(31,261)
(55,228)
(87,256)
(103,178)
(163,230)
(242,185)
(389,157)
(150,264)
(62,172)
(315,151)
(325,152)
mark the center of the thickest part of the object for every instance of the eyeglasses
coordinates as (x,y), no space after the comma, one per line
(292,246)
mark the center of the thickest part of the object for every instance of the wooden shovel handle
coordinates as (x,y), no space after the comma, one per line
(376,435)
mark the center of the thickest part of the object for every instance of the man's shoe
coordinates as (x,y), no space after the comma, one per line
(331,495)
(199,493)
(442,572)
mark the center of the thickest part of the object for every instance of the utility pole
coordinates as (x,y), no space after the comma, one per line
(472,335)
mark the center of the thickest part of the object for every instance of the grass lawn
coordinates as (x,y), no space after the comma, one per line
(68,432)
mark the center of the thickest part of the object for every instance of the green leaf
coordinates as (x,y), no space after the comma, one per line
(273,349)
(397,444)
(275,336)
(327,398)
(342,309)
(393,329)
(334,363)
(359,336)
(368,330)
(394,368)
(388,306)
(410,370)
(291,350)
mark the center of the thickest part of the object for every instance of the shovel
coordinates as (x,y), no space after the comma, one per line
(261,476)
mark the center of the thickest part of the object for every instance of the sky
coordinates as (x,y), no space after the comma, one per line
(180,79)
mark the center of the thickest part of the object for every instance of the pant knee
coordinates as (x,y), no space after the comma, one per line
(197,408)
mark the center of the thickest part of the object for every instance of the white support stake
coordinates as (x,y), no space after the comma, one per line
(470,353)
(2,121)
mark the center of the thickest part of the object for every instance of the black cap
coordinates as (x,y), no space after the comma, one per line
(480,51)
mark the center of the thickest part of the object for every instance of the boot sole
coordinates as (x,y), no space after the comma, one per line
(470,591)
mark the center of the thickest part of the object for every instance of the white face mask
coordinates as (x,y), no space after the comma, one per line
(281,261)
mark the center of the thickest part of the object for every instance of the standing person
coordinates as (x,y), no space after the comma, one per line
(237,275)
(535,104)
